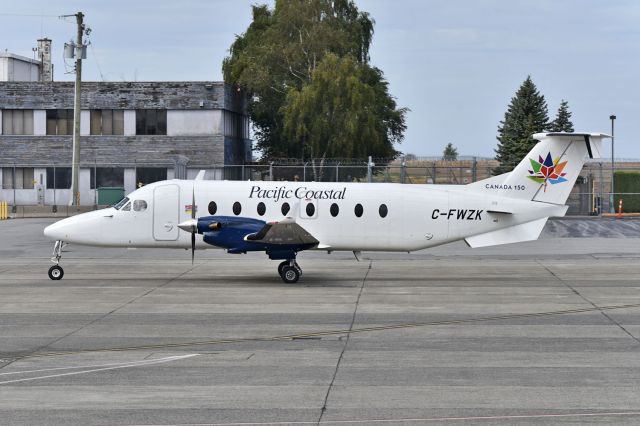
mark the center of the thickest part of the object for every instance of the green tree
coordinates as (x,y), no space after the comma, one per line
(340,113)
(276,59)
(527,114)
(562,123)
(450,153)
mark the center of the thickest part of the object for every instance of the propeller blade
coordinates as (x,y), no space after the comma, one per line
(193,246)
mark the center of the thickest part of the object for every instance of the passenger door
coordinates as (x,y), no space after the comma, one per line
(166,212)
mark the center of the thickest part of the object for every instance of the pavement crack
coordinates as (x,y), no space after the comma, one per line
(586,299)
(346,342)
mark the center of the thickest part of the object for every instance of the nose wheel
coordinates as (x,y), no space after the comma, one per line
(289,271)
(56,272)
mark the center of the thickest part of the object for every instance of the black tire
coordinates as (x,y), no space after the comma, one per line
(290,274)
(56,272)
(281,266)
(298,268)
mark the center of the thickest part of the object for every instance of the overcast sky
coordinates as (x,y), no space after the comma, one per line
(455,63)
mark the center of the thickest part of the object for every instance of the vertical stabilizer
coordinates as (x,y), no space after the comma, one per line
(548,173)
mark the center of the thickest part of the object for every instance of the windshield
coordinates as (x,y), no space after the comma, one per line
(121,203)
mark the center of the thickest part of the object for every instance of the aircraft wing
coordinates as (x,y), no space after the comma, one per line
(286,232)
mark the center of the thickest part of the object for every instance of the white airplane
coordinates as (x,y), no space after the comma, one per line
(285,218)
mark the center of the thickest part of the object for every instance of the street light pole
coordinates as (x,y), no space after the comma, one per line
(613,166)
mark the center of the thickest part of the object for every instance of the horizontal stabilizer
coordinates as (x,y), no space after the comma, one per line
(514,234)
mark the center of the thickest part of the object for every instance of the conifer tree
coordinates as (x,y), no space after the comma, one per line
(562,123)
(527,114)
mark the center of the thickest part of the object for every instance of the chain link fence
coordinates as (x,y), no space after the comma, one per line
(591,195)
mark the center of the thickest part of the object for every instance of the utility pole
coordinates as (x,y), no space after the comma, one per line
(75,169)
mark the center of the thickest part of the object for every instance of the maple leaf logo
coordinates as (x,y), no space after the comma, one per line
(547,170)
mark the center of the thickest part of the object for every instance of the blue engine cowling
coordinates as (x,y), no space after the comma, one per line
(229,232)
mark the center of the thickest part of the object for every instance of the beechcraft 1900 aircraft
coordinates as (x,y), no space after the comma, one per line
(285,218)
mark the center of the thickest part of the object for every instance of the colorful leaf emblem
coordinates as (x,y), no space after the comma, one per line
(547,170)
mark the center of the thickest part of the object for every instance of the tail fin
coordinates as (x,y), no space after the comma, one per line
(550,170)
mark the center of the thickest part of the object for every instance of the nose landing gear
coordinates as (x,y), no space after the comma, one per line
(289,271)
(56,272)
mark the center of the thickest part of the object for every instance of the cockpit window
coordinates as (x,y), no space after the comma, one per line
(127,207)
(121,203)
(139,205)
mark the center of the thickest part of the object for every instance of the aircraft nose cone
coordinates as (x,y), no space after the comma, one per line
(55,231)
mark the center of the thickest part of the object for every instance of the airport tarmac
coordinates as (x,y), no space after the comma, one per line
(545,332)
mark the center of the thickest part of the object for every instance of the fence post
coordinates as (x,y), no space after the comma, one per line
(304,172)
(403,169)
(271,171)
(370,170)
(474,169)
(600,190)
(338,172)
(434,170)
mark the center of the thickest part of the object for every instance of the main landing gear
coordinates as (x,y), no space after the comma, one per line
(289,271)
(56,272)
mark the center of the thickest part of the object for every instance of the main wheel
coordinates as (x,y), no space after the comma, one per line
(56,272)
(290,274)
(281,266)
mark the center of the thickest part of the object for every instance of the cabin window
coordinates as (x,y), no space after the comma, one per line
(334,210)
(213,208)
(358,210)
(237,208)
(262,209)
(127,208)
(285,208)
(139,205)
(383,210)
(311,209)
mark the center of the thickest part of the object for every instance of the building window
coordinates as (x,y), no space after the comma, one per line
(237,208)
(58,177)
(104,177)
(151,122)
(59,121)
(285,208)
(147,175)
(17,178)
(334,210)
(213,208)
(358,210)
(107,122)
(17,122)
(383,210)
(262,209)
